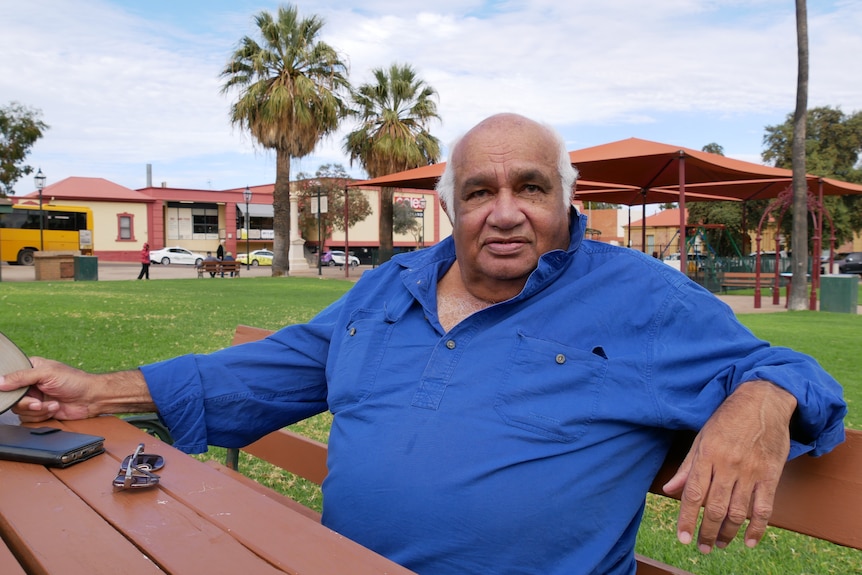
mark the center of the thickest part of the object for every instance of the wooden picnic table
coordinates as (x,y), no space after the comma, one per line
(197,520)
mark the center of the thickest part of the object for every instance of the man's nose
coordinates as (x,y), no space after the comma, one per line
(506,211)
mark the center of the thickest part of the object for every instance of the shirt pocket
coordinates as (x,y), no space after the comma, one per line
(551,389)
(357,356)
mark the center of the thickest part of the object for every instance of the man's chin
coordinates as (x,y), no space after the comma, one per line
(507,269)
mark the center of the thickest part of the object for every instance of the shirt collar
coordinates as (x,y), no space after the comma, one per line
(422,269)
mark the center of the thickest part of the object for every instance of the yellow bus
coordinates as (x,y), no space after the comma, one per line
(64,228)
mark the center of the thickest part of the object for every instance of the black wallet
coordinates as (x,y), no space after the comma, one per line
(47,445)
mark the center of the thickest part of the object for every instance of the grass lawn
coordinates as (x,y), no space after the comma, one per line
(104,326)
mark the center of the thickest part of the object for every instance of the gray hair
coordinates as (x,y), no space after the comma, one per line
(568,174)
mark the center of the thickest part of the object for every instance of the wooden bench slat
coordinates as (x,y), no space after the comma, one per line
(28,517)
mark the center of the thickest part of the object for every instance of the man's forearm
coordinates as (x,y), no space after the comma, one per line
(121,392)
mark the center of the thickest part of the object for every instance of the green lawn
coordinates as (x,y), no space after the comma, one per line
(103,326)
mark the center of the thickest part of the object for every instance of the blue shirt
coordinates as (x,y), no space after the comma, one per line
(521,441)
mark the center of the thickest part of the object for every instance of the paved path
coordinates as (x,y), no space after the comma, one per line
(116,271)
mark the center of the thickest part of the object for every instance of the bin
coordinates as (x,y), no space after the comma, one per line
(839,293)
(86,268)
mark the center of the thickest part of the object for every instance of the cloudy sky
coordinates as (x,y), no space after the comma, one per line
(126,83)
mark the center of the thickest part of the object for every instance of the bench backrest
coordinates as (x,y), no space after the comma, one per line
(820,497)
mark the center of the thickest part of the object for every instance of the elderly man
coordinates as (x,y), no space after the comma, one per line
(502,400)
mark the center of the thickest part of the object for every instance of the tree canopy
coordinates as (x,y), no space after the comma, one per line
(331,180)
(833,145)
(20,128)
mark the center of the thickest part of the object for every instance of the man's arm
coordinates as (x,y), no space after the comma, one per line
(734,466)
(62,392)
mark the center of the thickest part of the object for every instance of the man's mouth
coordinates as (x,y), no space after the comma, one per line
(504,246)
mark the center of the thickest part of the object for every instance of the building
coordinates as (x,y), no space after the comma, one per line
(125,219)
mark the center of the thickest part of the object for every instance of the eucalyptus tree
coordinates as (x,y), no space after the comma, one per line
(393,113)
(291,90)
(20,128)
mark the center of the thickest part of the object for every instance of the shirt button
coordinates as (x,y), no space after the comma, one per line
(450,344)
(561,359)
(352,331)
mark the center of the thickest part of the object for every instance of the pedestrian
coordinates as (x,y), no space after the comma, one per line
(145,262)
(502,400)
(220,252)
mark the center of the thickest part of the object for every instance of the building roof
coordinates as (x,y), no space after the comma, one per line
(663,219)
(95,189)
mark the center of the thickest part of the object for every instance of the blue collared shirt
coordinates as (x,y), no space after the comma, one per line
(521,441)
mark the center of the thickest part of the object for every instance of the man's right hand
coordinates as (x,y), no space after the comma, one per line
(62,392)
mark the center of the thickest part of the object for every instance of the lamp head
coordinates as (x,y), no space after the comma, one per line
(40,180)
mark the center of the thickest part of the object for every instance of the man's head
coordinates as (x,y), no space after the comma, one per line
(507,188)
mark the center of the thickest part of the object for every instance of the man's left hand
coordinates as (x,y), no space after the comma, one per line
(734,466)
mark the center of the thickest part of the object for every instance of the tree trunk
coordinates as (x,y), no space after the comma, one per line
(281,215)
(385,228)
(799,241)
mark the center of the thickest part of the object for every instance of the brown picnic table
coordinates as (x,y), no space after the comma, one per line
(198,519)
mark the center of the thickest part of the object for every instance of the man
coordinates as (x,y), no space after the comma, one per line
(210,258)
(228,258)
(502,400)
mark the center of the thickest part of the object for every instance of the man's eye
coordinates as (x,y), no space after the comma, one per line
(477,195)
(532,189)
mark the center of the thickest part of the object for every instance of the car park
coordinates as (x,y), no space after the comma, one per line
(258,258)
(337,259)
(176,255)
(851,264)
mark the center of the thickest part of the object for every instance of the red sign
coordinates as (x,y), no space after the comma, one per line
(414,203)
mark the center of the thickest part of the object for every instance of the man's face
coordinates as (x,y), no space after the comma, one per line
(508,202)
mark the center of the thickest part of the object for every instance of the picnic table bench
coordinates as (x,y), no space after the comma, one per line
(743,280)
(820,497)
(219,268)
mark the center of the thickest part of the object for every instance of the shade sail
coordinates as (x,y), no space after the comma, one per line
(635,171)
(421,178)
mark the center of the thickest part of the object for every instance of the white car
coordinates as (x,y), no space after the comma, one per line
(176,255)
(337,259)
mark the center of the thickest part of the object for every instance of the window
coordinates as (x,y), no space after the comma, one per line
(205,221)
(125,229)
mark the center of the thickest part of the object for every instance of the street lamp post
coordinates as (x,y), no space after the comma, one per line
(246,194)
(422,203)
(320,235)
(40,184)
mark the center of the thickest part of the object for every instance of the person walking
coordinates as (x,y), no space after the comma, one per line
(220,252)
(145,262)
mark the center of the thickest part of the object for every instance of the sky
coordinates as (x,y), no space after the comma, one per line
(124,84)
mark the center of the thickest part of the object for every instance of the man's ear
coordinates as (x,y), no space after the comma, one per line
(446,211)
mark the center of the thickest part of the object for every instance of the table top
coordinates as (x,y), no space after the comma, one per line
(197,520)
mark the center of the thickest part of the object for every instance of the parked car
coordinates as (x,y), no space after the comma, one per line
(337,259)
(176,255)
(258,258)
(851,264)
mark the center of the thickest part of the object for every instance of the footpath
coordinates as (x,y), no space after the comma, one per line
(122,271)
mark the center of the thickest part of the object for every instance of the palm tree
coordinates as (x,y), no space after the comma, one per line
(290,97)
(799,240)
(393,113)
